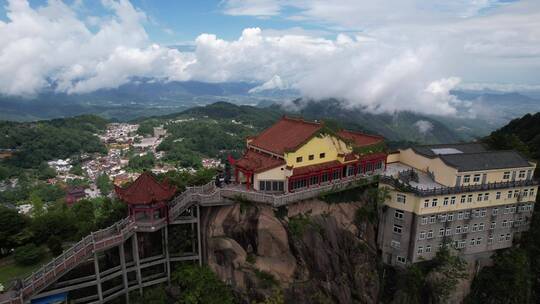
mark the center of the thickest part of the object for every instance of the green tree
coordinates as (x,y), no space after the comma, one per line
(45,171)
(28,254)
(38,207)
(507,281)
(200,285)
(151,295)
(85,219)
(77,170)
(142,163)
(54,243)
(11,224)
(104,184)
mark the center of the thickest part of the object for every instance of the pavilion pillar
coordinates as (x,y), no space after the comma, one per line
(166,251)
(98,278)
(136,259)
(124,270)
(199,234)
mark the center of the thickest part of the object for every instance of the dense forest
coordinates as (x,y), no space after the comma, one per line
(36,142)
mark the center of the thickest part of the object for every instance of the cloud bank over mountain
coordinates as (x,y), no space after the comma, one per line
(399,64)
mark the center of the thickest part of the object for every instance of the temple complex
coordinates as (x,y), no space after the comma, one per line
(294,154)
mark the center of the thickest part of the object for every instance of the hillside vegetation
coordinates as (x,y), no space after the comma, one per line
(36,142)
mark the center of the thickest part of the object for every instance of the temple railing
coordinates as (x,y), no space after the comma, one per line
(404,187)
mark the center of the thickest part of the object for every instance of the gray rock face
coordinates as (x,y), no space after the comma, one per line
(318,259)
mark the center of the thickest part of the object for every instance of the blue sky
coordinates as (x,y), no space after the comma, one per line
(383,55)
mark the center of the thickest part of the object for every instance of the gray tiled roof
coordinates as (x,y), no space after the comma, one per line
(427,150)
(485,160)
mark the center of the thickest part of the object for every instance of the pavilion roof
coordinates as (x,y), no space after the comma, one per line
(258,162)
(146,189)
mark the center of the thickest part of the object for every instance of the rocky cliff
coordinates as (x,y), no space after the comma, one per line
(310,252)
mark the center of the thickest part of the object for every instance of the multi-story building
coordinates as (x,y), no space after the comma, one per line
(457,195)
(294,154)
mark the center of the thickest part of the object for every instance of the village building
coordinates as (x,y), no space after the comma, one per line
(461,196)
(74,194)
(295,154)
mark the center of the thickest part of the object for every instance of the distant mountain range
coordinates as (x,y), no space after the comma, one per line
(147,97)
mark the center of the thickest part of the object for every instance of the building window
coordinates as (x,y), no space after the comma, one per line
(495,211)
(493,225)
(458,229)
(453,200)
(476,178)
(466,178)
(322,155)
(490,240)
(509,194)
(472,242)
(350,170)
(311,157)
(486,196)
(498,195)
(336,174)
(479,198)
(460,215)
(465,228)
(481,227)
(506,175)
(483,212)
(525,192)
(398,214)
(432,219)
(504,223)
(479,241)
(424,220)
(430,234)
(422,235)
(428,248)
(448,231)
(441,232)
(521,174)
(501,238)
(395,244)
(398,229)
(474,227)
(426,203)
(467,214)
(450,217)
(469,198)
(532,192)
(420,249)
(442,218)
(445,202)
(434,203)
(508,236)
(516,193)
(299,159)
(463,199)
(401,198)
(401,259)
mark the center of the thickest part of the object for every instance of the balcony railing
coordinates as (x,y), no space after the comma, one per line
(402,186)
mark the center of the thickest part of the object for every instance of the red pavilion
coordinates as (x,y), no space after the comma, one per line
(147,198)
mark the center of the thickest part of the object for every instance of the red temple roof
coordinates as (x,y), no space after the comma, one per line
(146,190)
(285,135)
(360,139)
(257,162)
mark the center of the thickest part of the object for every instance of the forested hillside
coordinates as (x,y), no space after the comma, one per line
(36,142)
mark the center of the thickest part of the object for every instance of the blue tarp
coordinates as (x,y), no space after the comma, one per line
(59,298)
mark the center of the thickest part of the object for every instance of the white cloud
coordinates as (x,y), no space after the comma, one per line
(423,126)
(403,60)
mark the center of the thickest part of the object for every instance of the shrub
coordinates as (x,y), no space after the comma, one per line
(54,243)
(28,254)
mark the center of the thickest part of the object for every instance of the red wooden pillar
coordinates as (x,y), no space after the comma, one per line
(320,177)
(248,180)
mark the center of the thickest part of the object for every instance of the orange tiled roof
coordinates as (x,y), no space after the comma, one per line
(285,135)
(257,162)
(146,190)
(360,139)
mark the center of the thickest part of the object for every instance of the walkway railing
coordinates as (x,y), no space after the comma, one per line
(52,271)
